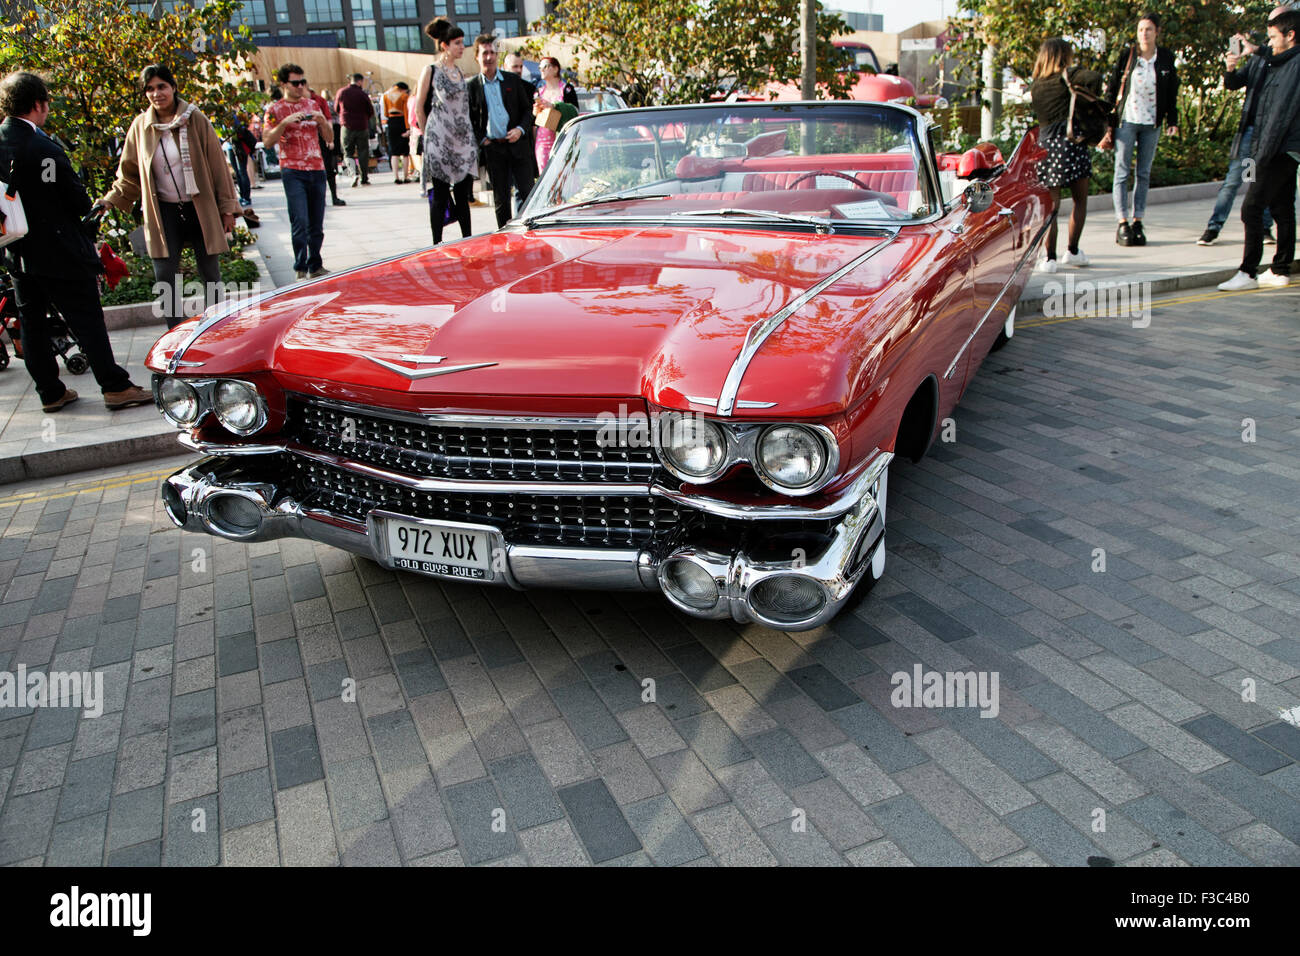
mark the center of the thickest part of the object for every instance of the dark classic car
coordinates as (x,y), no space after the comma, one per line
(686,367)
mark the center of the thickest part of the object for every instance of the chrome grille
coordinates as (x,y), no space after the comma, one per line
(599,521)
(471,452)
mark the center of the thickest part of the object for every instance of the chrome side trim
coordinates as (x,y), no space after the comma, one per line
(743,403)
(218,448)
(761,330)
(1033,247)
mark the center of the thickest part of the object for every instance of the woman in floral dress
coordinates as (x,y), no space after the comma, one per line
(450,153)
(553,91)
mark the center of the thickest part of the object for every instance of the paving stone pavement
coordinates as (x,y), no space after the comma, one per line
(286,703)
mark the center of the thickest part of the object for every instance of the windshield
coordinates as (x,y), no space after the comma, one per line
(594,101)
(842,162)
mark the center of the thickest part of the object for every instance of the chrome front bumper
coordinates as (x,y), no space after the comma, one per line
(210,497)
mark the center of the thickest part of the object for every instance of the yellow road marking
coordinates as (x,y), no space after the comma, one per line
(1155,304)
(36,497)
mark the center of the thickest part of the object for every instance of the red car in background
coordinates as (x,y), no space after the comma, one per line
(873,85)
(687,366)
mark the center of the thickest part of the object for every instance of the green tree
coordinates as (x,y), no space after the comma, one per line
(91,55)
(689,51)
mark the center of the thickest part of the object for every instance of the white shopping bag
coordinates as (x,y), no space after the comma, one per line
(13,218)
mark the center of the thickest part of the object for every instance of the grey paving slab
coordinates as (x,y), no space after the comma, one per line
(526,794)
(1242,747)
(1051,836)
(481,823)
(919,835)
(663,831)
(1183,835)
(598,821)
(296,757)
(1275,807)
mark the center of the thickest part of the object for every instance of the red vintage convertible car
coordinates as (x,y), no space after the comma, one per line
(685,367)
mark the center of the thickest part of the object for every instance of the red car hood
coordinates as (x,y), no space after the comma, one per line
(658,314)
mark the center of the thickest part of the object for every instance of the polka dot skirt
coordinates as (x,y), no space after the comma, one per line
(1065,161)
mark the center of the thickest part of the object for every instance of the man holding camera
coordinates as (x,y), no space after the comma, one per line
(1274,114)
(1248,76)
(299,127)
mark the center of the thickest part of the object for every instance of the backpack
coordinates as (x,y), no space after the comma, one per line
(1089,117)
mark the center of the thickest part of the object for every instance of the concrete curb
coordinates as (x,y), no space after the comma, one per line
(65,461)
(1158,282)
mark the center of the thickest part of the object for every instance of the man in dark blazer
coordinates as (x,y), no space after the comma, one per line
(55,264)
(500,107)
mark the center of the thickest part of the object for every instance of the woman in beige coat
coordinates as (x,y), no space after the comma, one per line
(173,164)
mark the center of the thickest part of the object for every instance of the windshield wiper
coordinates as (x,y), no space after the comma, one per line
(617,197)
(820,223)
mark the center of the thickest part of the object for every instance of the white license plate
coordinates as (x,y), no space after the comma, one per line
(447,550)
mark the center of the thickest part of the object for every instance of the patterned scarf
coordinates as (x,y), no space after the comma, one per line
(181,122)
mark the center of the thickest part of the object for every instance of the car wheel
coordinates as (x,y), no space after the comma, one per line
(1008,330)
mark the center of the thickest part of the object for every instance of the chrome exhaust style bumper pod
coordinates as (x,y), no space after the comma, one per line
(216,496)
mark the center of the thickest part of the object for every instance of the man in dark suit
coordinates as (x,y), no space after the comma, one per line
(55,264)
(500,107)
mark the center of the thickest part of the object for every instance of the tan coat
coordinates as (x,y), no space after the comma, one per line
(135,180)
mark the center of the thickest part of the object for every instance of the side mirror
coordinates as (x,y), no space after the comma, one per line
(977,197)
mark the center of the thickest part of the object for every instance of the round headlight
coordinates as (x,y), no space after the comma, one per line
(791,456)
(236,406)
(694,447)
(178,401)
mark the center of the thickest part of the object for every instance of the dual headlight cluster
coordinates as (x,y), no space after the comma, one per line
(792,459)
(237,405)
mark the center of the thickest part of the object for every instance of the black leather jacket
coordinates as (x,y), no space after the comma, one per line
(1166,84)
(1277,113)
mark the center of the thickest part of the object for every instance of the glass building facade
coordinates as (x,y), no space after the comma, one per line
(381,24)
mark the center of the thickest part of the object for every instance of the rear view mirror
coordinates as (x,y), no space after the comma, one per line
(977,197)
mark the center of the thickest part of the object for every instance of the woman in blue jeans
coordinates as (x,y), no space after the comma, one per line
(1143,86)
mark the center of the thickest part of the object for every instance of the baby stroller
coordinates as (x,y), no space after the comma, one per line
(64,342)
(61,337)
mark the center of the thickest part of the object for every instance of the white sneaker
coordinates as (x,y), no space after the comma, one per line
(1045,265)
(1077,259)
(1238,283)
(1271,278)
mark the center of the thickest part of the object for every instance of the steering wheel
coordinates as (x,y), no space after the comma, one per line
(831,172)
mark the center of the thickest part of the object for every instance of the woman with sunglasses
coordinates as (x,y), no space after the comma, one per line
(173,164)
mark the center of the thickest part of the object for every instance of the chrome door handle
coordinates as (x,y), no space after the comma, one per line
(1007,212)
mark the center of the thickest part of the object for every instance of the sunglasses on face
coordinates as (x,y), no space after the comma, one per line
(297,82)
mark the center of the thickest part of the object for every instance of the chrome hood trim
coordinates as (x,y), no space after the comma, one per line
(762,330)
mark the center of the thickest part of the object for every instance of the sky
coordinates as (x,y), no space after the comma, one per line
(899,14)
